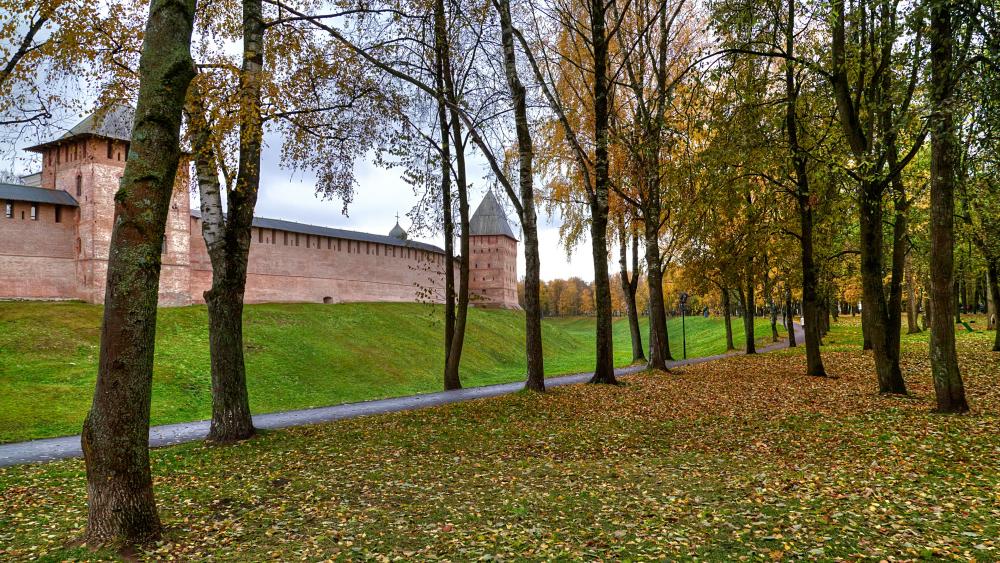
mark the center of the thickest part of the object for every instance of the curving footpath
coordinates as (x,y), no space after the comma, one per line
(50,449)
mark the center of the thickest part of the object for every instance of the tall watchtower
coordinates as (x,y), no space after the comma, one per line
(492,257)
(88,162)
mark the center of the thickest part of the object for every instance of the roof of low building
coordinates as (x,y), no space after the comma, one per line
(292,227)
(114,122)
(14,192)
(489,219)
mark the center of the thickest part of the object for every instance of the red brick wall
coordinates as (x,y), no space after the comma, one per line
(37,257)
(322,268)
(493,271)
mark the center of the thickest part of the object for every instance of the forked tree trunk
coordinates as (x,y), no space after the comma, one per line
(659,339)
(629,288)
(876,311)
(526,207)
(231,419)
(604,370)
(727,311)
(948,386)
(115,436)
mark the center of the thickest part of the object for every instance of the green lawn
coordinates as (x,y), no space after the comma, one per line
(298,356)
(739,459)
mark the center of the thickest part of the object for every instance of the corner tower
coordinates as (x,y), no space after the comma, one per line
(492,257)
(87,162)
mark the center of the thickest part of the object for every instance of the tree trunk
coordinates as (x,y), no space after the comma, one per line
(993,277)
(876,310)
(629,287)
(231,419)
(791,321)
(774,320)
(604,370)
(115,436)
(747,304)
(447,211)
(948,386)
(659,338)
(525,150)
(911,301)
(451,375)
(805,204)
(727,308)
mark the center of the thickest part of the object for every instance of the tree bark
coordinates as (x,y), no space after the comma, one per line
(790,320)
(993,276)
(911,301)
(451,375)
(231,419)
(629,288)
(604,370)
(727,308)
(878,312)
(774,320)
(948,386)
(446,204)
(659,338)
(532,273)
(121,507)
(747,304)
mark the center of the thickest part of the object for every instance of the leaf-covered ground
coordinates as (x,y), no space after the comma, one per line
(740,459)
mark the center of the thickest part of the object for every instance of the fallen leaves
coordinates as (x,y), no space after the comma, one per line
(742,459)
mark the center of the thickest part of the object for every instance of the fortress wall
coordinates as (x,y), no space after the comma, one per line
(493,271)
(37,257)
(295,267)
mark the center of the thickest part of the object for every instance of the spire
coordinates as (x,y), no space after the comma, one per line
(489,218)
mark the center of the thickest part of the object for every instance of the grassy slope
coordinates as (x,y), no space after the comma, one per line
(298,356)
(740,459)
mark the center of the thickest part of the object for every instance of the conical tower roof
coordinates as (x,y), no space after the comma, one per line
(398,232)
(489,219)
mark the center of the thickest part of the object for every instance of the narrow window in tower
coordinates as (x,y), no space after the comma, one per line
(274,236)
(58,155)
(79,185)
(83,146)
(58,214)
(286,238)
(296,239)
(34,212)
(8,210)
(111,149)
(127,146)
(260,236)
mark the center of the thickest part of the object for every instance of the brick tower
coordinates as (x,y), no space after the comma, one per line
(493,257)
(87,162)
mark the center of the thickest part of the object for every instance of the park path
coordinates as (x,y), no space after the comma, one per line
(50,449)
